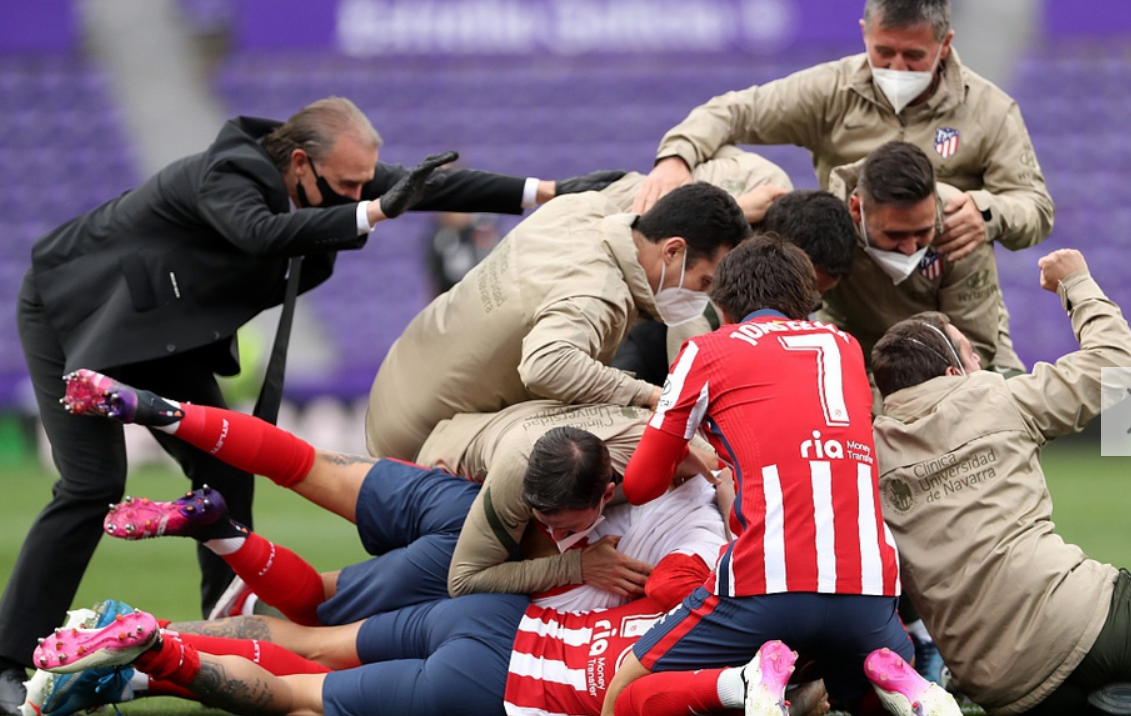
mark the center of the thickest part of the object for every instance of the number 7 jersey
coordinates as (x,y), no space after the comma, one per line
(787,405)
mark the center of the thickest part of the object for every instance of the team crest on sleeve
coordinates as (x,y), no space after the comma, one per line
(946,142)
(930,266)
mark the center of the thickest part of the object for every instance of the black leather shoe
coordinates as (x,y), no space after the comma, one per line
(12,692)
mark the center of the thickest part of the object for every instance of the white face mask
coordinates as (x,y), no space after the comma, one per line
(896,265)
(576,537)
(901,87)
(679,305)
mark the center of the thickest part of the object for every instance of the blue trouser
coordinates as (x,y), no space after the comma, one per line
(838,630)
(409,517)
(435,659)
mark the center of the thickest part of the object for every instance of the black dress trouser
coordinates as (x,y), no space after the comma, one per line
(90,455)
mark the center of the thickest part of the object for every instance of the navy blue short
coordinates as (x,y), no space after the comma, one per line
(435,659)
(838,630)
(409,517)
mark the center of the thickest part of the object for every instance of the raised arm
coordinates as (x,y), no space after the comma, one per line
(1061,398)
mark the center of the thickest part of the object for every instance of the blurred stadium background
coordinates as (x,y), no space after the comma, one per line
(97,94)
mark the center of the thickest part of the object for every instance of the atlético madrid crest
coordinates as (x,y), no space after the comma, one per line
(946,142)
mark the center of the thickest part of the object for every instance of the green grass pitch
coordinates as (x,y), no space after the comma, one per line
(1092,497)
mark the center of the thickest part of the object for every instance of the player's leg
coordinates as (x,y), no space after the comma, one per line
(332,647)
(330,480)
(229,682)
(702,637)
(444,657)
(410,517)
(863,648)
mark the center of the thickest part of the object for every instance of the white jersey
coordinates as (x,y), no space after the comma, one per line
(683,521)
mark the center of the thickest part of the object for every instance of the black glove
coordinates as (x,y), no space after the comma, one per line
(405,194)
(593,181)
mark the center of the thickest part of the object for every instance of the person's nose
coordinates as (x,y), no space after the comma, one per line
(908,247)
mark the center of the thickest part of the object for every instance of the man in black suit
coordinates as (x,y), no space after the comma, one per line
(150,288)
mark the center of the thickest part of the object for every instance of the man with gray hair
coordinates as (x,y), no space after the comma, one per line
(151,287)
(908,85)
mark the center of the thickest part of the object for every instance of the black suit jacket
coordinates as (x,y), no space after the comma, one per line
(200,248)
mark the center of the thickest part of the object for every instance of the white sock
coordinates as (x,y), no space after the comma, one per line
(919,630)
(731,688)
(226,545)
(137,686)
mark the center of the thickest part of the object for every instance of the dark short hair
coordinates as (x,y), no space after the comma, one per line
(765,271)
(315,128)
(912,352)
(909,13)
(897,174)
(569,469)
(819,223)
(707,217)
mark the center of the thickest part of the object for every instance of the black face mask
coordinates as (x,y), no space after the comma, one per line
(329,196)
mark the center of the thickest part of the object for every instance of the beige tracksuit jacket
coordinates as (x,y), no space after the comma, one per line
(835,111)
(731,169)
(1012,607)
(494,449)
(866,302)
(539,318)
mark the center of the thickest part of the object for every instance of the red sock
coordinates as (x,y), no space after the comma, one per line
(174,660)
(671,693)
(247,443)
(280,578)
(161,687)
(272,657)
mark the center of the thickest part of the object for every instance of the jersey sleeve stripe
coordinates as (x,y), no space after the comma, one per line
(673,387)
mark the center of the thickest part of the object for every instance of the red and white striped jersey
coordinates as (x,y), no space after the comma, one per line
(788,405)
(562,662)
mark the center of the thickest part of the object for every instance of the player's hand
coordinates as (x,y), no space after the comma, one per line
(669,173)
(756,202)
(964,230)
(406,193)
(697,463)
(1055,267)
(603,567)
(593,181)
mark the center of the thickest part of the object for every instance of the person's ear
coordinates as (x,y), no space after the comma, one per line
(299,158)
(854,206)
(944,52)
(674,247)
(609,490)
(951,370)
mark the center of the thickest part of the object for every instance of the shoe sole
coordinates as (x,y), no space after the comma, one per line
(70,650)
(903,691)
(135,519)
(92,393)
(767,676)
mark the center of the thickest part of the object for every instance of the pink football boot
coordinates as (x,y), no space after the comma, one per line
(120,642)
(766,677)
(903,691)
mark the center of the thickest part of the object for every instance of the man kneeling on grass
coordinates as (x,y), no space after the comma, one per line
(1026,623)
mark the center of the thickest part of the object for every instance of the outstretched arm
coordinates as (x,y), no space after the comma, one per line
(1062,398)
